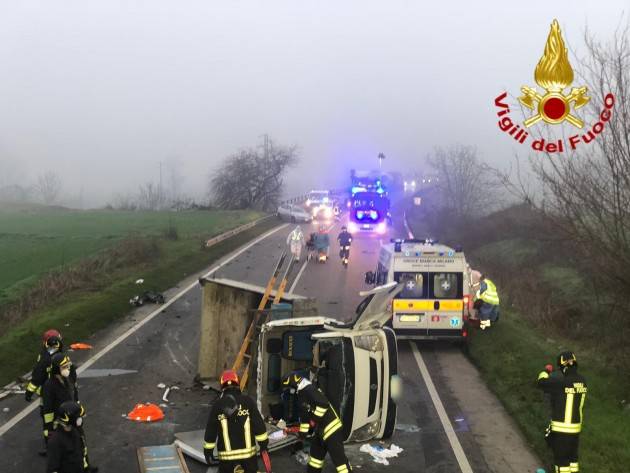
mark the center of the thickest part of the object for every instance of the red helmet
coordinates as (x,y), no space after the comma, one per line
(50,333)
(229,378)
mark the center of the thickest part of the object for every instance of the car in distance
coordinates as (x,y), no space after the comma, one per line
(293,213)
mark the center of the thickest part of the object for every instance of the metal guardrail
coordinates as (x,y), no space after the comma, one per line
(302,198)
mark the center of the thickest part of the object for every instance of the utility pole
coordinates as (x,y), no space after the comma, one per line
(160,188)
(266,146)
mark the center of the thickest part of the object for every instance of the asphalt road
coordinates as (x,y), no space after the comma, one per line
(164,350)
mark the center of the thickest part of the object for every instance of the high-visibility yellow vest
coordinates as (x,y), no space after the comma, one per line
(490,295)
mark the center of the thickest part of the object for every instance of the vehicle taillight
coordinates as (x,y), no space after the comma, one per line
(467,301)
(464,333)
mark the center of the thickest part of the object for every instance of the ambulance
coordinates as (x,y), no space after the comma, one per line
(436,301)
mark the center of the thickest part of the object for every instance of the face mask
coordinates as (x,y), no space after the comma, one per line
(79,422)
(292,390)
(65,372)
(52,350)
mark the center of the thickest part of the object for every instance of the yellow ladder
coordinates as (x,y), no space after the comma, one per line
(258,320)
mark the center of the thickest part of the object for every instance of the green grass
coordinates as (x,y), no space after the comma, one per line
(35,239)
(81,314)
(511,355)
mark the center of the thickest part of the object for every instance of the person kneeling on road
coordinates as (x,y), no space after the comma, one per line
(66,445)
(487,302)
(317,417)
(236,422)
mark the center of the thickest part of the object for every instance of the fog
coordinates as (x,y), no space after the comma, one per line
(104,91)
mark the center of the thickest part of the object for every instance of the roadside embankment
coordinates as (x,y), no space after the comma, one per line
(82,308)
(547,306)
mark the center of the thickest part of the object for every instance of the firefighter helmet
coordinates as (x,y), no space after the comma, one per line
(70,413)
(291,380)
(566,358)
(50,333)
(59,361)
(229,378)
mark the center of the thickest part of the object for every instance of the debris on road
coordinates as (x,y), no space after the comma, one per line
(301,457)
(104,372)
(147,296)
(6,409)
(146,413)
(161,386)
(410,428)
(167,392)
(139,281)
(381,454)
(81,346)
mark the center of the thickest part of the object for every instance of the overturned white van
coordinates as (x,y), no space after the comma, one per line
(354,364)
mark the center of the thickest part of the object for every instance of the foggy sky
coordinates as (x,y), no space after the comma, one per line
(104,90)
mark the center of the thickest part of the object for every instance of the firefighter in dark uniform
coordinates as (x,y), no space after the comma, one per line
(568,391)
(65,448)
(41,372)
(234,427)
(59,388)
(318,417)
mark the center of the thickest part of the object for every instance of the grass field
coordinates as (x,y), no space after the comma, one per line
(510,356)
(33,238)
(36,239)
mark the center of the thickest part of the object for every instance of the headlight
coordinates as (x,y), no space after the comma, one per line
(381,228)
(395,387)
(328,213)
(352,227)
(366,432)
(308,202)
(368,342)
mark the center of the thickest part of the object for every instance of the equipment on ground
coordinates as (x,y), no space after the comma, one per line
(161,458)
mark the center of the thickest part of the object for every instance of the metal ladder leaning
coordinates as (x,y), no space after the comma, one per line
(240,366)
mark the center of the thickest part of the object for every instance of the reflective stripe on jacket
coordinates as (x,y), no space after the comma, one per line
(235,435)
(490,294)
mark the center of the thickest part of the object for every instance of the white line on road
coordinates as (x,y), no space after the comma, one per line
(297,278)
(34,405)
(460,456)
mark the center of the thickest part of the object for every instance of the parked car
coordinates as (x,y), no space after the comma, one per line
(355,364)
(293,213)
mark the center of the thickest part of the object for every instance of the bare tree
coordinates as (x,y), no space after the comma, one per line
(252,178)
(48,186)
(465,186)
(149,196)
(587,195)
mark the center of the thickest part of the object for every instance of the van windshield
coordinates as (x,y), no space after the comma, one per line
(430,285)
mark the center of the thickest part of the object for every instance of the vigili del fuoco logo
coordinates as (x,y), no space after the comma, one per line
(554,74)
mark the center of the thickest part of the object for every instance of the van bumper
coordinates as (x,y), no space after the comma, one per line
(424,334)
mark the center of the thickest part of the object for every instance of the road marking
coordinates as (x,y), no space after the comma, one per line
(34,405)
(297,278)
(409,232)
(460,456)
